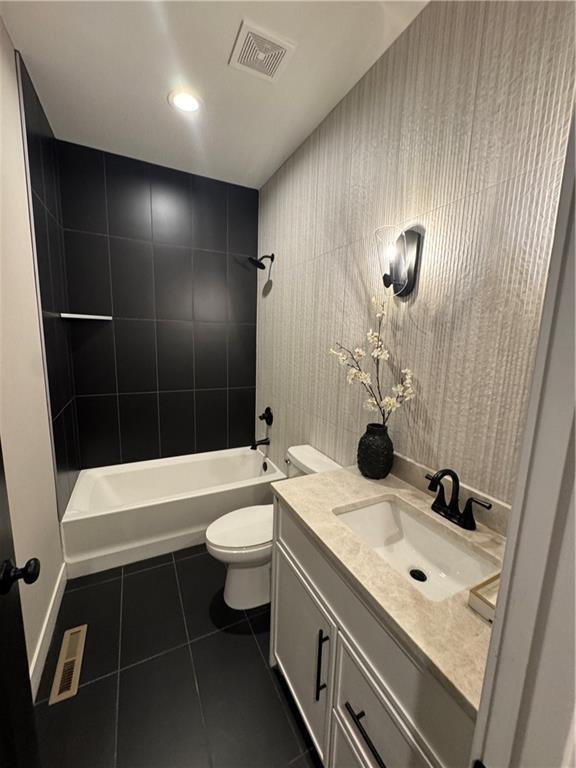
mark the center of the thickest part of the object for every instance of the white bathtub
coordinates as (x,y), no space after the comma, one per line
(123,513)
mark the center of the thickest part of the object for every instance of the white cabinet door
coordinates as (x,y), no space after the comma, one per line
(304,647)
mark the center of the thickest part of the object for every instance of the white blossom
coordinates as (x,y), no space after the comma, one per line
(342,357)
(379,353)
(373,337)
(379,307)
(390,404)
(353,361)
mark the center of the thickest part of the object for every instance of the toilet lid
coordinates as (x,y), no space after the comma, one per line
(246,527)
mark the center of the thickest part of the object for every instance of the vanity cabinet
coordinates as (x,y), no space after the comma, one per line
(378,704)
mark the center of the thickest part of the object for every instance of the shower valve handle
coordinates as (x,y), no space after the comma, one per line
(267,416)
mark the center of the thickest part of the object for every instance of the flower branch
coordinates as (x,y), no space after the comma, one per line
(353,361)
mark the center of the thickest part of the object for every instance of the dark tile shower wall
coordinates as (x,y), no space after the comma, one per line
(166,254)
(45,191)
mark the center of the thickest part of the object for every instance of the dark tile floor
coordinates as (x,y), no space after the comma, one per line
(171,677)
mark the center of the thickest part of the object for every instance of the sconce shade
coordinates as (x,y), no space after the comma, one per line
(403,258)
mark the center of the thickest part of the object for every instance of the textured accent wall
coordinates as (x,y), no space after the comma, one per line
(461,127)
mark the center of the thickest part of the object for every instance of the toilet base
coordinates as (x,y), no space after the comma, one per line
(247,586)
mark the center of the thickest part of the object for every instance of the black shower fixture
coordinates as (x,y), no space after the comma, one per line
(267,416)
(260,262)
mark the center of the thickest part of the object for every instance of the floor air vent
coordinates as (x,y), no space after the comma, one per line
(67,677)
(260,53)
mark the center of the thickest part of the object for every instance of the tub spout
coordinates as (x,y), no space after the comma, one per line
(264,441)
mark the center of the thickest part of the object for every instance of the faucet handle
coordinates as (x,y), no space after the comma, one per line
(468,521)
(480,502)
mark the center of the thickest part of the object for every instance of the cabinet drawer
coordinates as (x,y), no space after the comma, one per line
(416,692)
(344,754)
(364,708)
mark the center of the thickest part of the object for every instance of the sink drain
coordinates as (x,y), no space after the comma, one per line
(418,575)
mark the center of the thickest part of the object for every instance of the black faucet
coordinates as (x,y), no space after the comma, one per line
(451,511)
(256,443)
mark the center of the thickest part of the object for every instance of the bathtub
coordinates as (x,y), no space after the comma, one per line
(124,513)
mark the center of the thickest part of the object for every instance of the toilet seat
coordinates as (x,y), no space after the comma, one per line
(242,530)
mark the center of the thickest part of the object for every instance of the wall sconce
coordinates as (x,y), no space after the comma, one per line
(399,252)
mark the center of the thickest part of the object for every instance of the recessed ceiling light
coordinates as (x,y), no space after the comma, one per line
(184,101)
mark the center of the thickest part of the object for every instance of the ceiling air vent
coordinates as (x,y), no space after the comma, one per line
(260,53)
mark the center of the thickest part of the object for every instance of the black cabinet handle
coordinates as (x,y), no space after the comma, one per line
(9,574)
(356,717)
(322,638)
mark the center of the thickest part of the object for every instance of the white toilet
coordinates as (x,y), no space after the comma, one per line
(243,538)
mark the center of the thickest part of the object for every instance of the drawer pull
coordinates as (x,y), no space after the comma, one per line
(322,638)
(356,717)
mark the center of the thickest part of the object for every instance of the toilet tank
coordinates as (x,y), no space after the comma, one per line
(306,460)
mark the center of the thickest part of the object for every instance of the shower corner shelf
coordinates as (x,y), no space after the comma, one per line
(74,316)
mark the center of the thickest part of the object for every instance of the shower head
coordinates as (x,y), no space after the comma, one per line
(260,262)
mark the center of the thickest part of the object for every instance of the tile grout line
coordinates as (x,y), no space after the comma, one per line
(160,391)
(116,724)
(191,657)
(122,574)
(216,631)
(308,751)
(133,573)
(143,570)
(95,584)
(108,251)
(154,304)
(194,324)
(153,657)
(98,679)
(161,243)
(276,690)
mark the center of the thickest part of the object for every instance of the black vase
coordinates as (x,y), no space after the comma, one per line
(375,452)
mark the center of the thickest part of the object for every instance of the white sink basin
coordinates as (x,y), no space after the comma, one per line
(403,537)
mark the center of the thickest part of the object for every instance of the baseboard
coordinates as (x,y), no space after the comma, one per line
(43,644)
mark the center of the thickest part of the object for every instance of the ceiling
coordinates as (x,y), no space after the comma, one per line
(103,71)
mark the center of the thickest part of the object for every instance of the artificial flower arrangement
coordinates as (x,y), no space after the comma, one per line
(375,450)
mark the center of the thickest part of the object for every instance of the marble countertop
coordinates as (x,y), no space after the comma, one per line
(447,636)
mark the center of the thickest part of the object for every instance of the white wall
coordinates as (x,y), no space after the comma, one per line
(24,420)
(460,127)
(526,712)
